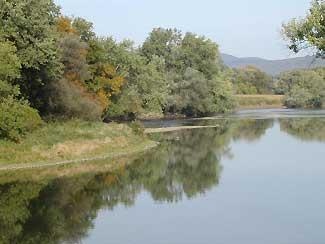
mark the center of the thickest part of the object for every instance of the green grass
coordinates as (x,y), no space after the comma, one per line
(259,101)
(73,140)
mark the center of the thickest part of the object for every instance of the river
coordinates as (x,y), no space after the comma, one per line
(258,177)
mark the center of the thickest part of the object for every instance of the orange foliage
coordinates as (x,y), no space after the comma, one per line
(109,81)
(64,25)
(103,99)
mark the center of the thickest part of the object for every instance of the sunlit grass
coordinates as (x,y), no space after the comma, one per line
(259,101)
(74,140)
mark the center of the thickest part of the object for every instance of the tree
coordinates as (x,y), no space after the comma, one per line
(201,54)
(153,86)
(303,88)
(9,62)
(309,31)
(84,29)
(69,96)
(16,116)
(73,57)
(163,43)
(251,80)
(29,25)
(9,70)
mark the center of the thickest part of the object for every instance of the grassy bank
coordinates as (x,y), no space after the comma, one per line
(72,141)
(259,101)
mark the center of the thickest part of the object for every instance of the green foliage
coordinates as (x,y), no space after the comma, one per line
(303,88)
(128,105)
(153,86)
(308,32)
(7,90)
(64,70)
(251,80)
(222,95)
(163,43)
(84,29)
(9,62)
(299,97)
(201,54)
(307,129)
(17,118)
(183,51)
(195,74)
(195,95)
(9,70)
(29,25)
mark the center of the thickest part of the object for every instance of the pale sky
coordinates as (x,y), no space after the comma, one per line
(243,28)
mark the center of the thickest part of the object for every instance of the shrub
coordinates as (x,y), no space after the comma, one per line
(303,88)
(16,119)
(300,97)
(69,100)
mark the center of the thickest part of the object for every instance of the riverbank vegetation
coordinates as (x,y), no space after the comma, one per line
(306,88)
(303,88)
(74,140)
(54,67)
(251,81)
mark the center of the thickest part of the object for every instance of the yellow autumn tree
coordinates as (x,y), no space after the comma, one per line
(64,25)
(109,83)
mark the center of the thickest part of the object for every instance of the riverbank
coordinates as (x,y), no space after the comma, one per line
(259,101)
(72,142)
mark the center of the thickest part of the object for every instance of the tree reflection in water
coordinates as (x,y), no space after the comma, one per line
(306,129)
(187,163)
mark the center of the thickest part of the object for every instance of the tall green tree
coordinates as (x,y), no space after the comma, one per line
(9,70)
(29,25)
(163,43)
(309,31)
(201,54)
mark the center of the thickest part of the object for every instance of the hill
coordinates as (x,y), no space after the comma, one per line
(274,67)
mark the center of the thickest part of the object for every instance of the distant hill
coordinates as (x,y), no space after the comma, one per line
(274,67)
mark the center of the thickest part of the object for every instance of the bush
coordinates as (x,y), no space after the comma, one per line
(69,100)
(300,97)
(303,88)
(16,119)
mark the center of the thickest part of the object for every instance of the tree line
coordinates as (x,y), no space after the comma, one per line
(56,67)
(52,66)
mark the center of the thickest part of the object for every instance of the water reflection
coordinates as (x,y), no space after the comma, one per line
(307,129)
(187,163)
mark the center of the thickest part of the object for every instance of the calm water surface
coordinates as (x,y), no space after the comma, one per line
(257,178)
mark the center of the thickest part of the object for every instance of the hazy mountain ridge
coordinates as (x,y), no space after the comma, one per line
(274,67)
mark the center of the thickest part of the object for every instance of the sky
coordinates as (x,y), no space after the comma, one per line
(243,28)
